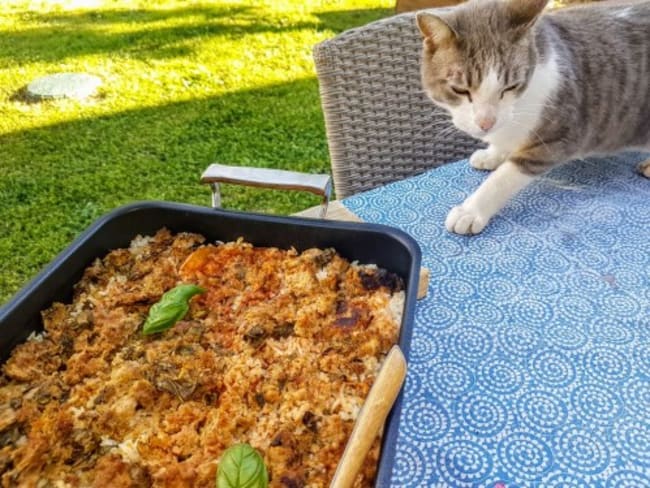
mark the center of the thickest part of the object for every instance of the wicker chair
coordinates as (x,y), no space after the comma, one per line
(380,125)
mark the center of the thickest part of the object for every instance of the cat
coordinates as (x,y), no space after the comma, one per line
(541,88)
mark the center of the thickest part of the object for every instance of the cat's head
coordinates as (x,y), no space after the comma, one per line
(477,60)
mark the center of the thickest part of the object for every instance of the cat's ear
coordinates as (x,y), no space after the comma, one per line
(434,29)
(524,13)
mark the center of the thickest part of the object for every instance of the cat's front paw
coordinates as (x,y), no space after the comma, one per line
(486,159)
(465,220)
(644,168)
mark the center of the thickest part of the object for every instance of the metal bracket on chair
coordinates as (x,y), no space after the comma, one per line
(319,184)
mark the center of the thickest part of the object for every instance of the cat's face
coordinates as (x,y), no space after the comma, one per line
(477,62)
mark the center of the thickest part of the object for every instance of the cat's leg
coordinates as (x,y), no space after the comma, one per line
(488,159)
(644,168)
(476,211)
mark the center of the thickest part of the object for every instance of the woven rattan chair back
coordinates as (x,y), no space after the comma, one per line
(380,125)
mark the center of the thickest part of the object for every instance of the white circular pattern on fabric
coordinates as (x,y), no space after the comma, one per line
(581,451)
(483,313)
(499,376)
(606,364)
(628,479)
(447,248)
(515,207)
(628,277)
(620,304)
(409,466)
(449,379)
(369,214)
(574,307)
(423,348)
(419,198)
(639,212)
(527,310)
(433,185)
(545,285)
(454,195)
(435,214)
(480,415)
(455,289)
(551,262)
(524,455)
(384,200)
(437,268)
(427,231)
(544,314)
(563,241)
(571,222)
(632,439)
(499,227)
(512,264)
(594,259)
(636,393)
(541,410)
(403,216)
(566,336)
(596,403)
(470,344)
(586,283)
(612,330)
(537,223)
(552,368)
(426,421)
(632,255)
(463,463)
(544,203)
(438,316)
(524,244)
(473,268)
(518,340)
(406,186)
(497,289)
(642,357)
(603,237)
(484,246)
(412,384)
(564,480)
(605,214)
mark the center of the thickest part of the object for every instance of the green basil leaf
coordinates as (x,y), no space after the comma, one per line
(171,308)
(241,466)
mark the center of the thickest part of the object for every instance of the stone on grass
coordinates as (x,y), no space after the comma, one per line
(64,85)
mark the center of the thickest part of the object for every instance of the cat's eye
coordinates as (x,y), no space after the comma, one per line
(509,89)
(462,92)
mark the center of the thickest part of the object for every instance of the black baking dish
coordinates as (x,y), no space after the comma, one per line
(384,246)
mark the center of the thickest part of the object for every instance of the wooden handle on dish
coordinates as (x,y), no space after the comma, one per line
(373,414)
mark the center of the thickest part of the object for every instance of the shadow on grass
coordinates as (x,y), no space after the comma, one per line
(89,18)
(58,179)
(90,33)
(341,20)
(65,36)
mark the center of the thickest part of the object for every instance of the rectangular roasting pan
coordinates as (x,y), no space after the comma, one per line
(384,246)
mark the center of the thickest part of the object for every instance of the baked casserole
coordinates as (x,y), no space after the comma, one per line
(279,352)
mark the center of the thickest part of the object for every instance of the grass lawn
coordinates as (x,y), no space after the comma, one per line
(185,84)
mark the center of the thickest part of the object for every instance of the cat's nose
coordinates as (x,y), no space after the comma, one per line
(486,122)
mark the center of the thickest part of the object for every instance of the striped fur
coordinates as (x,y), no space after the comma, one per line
(560,85)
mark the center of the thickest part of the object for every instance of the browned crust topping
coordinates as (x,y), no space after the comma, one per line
(279,352)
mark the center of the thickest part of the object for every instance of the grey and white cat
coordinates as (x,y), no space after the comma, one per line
(540,88)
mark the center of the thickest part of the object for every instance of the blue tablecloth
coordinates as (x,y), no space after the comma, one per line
(530,360)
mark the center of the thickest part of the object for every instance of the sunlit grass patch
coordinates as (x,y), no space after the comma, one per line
(184,84)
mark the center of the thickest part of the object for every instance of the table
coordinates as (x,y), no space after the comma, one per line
(530,359)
